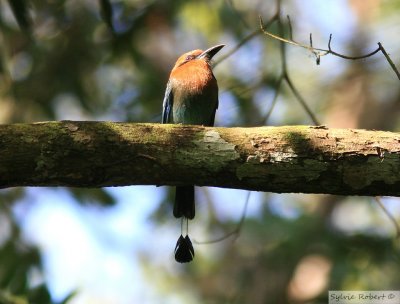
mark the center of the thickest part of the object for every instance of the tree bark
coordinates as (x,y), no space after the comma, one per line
(276,159)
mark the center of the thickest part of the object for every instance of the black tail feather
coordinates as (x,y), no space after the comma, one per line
(184,202)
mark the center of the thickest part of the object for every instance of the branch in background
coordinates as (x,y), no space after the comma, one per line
(237,47)
(378,200)
(392,65)
(21,13)
(284,72)
(236,232)
(245,40)
(319,52)
(106,13)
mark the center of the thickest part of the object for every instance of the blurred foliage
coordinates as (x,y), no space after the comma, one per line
(20,11)
(103,59)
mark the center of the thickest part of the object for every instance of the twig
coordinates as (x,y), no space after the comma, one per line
(234,232)
(282,39)
(382,49)
(290,28)
(274,100)
(285,74)
(301,100)
(244,41)
(238,14)
(330,51)
(318,52)
(237,47)
(389,215)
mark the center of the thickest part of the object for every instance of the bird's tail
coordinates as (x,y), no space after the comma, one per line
(184,202)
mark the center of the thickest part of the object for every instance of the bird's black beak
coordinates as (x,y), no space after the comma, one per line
(209,53)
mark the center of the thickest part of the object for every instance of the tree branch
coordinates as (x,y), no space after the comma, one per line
(318,52)
(277,159)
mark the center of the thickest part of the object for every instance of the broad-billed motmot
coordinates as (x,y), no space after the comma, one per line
(191,97)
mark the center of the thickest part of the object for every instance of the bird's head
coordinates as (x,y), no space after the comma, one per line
(206,55)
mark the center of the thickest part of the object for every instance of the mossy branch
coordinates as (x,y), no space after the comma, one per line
(276,159)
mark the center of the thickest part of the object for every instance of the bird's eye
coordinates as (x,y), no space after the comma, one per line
(190,57)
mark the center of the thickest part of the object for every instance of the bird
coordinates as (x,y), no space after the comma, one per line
(191,97)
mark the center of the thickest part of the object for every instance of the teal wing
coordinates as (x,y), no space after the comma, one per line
(167,104)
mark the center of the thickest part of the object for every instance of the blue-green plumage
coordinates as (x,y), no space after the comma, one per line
(191,97)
